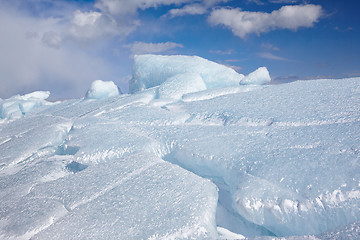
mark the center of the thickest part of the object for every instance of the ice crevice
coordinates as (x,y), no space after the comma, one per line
(227,218)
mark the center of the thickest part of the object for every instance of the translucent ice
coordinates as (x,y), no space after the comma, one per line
(175,87)
(153,70)
(102,89)
(259,76)
(17,106)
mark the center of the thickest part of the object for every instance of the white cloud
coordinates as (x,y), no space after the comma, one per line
(243,23)
(221,52)
(144,48)
(258,2)
(198,7)
(283,1)
(87,26)
(115,18)
(128,7)
(268,55)
(269,46)
(191,9)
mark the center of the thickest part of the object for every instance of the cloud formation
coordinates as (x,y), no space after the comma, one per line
(283,1)
(33,57)
(271,56)
(197,7)
(221,52)
(129,7)
(243,23)
(144,48)
(92,25)
(191,9)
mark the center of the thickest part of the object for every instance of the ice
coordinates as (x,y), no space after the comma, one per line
(176,86)
(139,197)
(153,70)
(17,106)
(102,89)
(226,234)
(213,93)
(275,158)
(259,76)
(182,160)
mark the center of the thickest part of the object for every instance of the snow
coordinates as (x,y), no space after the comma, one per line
(182,160)
(102,89)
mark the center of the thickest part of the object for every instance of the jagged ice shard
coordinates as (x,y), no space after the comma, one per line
(198,152)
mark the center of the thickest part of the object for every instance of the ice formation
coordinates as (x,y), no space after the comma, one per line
(259,76)
(175,87)
(232,162)
(153,70)
(102,89)
(17,106)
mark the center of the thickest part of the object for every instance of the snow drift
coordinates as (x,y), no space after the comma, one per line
(213,159)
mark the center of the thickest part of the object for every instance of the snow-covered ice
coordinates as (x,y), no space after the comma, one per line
(182,160)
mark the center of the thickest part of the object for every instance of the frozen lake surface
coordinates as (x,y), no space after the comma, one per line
(188,155)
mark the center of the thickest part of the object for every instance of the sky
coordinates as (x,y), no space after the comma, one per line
(64,45)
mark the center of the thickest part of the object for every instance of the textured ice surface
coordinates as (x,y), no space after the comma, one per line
(216,92)
(102,89)
(152,70)
(138,197)
(285,159)
(259,76)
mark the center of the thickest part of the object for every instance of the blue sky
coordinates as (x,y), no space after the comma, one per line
(64,45)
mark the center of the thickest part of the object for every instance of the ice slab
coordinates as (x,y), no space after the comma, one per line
(116,141)
(29,138)
(176,86)
(102,89)
(153,70)
(17,106)
(138,197)
(259,76)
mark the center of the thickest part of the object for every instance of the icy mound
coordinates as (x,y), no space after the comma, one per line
(102,89)
(259,76)
(153,70)
(17,106)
